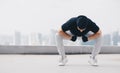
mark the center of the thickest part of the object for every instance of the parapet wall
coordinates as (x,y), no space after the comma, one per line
(53,49)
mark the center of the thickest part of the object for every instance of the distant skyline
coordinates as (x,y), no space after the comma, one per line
(40,16)
(41,39)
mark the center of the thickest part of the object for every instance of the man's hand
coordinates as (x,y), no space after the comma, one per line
(84,38)
(74,38)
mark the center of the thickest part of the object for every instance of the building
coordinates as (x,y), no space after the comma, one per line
(17,38)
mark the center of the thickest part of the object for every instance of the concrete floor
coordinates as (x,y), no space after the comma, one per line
(109,63)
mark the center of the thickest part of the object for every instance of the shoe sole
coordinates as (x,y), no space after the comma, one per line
(93,64)
(63,64)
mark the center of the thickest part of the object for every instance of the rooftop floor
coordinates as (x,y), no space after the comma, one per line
(108,63)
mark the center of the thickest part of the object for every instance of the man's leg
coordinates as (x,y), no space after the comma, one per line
(97,47)
(61,50)
(96,50)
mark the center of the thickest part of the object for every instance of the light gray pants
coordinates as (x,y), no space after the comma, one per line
(61,50)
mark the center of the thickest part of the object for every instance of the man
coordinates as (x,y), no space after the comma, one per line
(79,26)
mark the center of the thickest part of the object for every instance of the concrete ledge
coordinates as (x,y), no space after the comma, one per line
(53,49)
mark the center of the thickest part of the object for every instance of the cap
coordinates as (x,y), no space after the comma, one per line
(82,22)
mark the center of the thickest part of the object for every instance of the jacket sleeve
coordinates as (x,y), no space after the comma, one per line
(67,25)
(94,28)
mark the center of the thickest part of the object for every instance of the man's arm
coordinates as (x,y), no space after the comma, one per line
(96,35)
(64,35)
(66,27)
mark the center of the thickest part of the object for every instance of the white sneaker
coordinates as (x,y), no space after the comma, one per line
(63,61)
(93,61)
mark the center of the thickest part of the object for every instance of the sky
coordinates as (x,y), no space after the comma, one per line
(39,16)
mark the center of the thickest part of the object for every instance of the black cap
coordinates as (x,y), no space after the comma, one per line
(82,21)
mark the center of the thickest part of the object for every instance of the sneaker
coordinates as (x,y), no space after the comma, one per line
(63,61)
(93,61)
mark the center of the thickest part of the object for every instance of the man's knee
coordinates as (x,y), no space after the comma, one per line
(57,35)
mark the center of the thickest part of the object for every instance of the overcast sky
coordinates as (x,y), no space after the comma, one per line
(29,16)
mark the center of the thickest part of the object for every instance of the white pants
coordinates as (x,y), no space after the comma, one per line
(61,50)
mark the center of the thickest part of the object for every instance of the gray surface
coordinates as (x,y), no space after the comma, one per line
(49,64)
(53,49)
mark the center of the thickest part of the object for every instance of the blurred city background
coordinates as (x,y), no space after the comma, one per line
(49,39)
(34,22)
